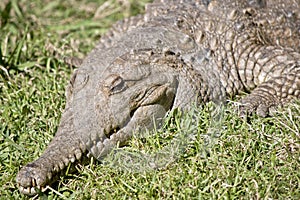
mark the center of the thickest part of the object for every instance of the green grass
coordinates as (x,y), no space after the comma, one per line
(259,159)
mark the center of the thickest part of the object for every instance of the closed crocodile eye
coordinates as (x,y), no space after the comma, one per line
(115,84)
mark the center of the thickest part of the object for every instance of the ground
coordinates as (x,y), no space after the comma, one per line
(257,158)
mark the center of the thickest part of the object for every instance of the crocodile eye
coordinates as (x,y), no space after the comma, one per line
(114,84)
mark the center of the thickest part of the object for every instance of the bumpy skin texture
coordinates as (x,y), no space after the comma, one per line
(177,53)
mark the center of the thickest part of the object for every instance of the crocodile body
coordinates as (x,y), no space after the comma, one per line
(178,53)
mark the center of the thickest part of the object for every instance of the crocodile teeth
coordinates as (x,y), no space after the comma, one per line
(61,165)
(31,190)
(72,159)
(27,190)
(66,161)
(49,175)
(33,182)
(56,168)
(78,154)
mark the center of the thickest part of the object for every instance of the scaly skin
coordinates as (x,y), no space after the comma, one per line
(174,55)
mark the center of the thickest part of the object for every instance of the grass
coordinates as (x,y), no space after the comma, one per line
(228,158)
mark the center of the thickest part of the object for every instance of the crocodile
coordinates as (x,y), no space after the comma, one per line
(178,53)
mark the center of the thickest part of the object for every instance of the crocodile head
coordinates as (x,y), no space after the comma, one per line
(134,92)
(106,105)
